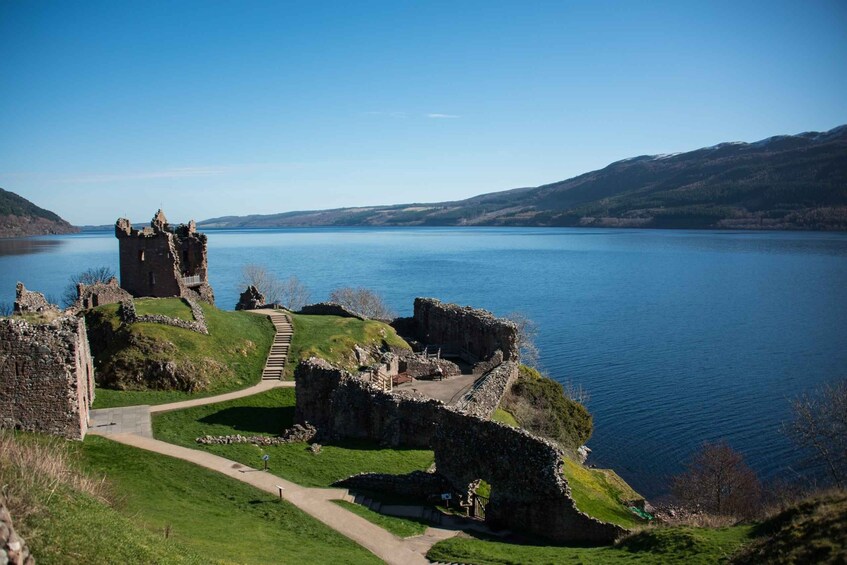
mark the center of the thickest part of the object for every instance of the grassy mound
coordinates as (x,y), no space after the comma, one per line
(66,515)
(601,493)
(153,363)
(332,338)
(813,531)
(269,414)
(540,406)
(216,517)
(655,546)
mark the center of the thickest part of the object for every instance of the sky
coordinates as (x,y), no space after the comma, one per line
(218,108)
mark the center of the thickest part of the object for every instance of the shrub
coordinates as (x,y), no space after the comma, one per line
(362,301)
(540,406)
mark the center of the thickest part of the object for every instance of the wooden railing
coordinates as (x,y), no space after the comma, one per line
(192,280)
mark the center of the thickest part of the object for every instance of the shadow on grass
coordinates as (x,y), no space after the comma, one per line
(255,419)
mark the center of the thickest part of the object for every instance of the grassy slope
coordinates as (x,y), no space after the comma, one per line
(400,527)
(268,414)
(502,416)
(332,338)
(238,342)
(214,516)
(657,546)
(599,493)
(165,306)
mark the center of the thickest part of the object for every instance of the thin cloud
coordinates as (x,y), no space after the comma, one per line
(175,173)
(443,116)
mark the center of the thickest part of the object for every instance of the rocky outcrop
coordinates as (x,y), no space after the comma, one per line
(13,548)
(250,299)
(46,376)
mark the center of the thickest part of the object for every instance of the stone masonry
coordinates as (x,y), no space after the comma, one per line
(46,376)
(465,331)
(30,301)
(13,548)
(528,488)
(98,294)
(164,261)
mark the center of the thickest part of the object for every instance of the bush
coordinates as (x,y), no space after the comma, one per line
(362,301)
(540,406)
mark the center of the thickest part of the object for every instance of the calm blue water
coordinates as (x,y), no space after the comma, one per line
(678,336)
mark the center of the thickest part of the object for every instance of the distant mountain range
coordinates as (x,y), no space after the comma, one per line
(19,217)
(783,182)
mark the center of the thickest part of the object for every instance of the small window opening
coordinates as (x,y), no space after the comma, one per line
(141,256)
(152,278)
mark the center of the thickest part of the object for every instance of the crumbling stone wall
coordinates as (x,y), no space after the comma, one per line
(250,299)
(484,397)
(422,367)
(30,301)
(98,294)
(129,315)
(46,376)
(329,309)
(13,548)
(529,491)
(160,260)
(462,330)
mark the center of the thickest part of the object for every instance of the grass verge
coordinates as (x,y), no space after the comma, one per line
(218,518)
(231,357)
(400,527)
(504,417)
(332,338)
(656,546)
(269,413)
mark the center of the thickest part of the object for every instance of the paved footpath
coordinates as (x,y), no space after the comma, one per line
(131,426)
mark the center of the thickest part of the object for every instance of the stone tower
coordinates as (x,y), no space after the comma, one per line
(163,261)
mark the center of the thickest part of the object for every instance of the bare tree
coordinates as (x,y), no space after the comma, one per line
(365,302)
(527,332)
(92,275)
(290,293)
(718,481)
(820,425)
(6,308)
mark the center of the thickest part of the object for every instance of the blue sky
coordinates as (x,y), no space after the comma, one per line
(216,108)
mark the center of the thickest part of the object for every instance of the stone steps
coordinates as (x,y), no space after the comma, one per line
(278,355)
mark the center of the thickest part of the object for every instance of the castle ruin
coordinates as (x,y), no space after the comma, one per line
(164,261)
(46,376)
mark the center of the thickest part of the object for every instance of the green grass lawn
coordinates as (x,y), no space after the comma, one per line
(657,546)
(400,527)
(504,417)
(332,338)
(599,493)
(215,517)
(268,414)
(231,357)
(171,307)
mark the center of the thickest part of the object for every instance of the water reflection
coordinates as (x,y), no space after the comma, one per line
(28,246)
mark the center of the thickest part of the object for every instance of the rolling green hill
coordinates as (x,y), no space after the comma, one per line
(783,182)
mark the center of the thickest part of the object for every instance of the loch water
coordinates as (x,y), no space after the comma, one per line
(679,336)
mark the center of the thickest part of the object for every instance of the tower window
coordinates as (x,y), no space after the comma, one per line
(141,256)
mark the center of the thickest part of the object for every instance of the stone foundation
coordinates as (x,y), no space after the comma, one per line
(94,295)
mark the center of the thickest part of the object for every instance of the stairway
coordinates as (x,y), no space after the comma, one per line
(275,365)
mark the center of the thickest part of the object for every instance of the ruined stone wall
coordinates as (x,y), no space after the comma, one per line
(329,309)
(94,295)
(529,491)
(421,367)
(484,397)
(46,376)
(463,328)
(250,299)
(29,301)
(154,260)
(129,315)
(13,548)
